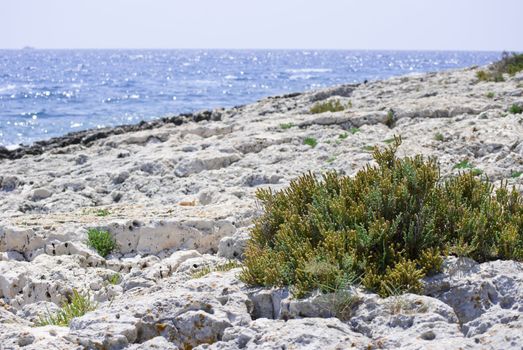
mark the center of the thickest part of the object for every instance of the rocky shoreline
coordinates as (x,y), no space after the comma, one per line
(87,137)
(177,195)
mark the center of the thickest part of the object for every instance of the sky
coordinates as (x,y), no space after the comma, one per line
(492,25)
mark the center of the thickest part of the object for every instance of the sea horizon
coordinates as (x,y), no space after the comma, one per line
(29,47)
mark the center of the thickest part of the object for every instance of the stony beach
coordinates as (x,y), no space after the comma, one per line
(177,195)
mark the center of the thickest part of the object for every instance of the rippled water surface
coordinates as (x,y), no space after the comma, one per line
(45,93)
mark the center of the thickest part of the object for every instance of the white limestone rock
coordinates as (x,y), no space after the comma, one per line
(307,334)
(195,313)
(205,160)
(49,278)
(33,312)
(22,240)
(17,333)
(408,320)
(232,247)
(156,236)
(176,193)
(156,343)
(481,295)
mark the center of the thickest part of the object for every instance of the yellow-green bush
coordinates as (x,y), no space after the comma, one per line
(509,64)
(385,227)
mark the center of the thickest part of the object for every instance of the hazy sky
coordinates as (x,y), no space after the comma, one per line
(333,24)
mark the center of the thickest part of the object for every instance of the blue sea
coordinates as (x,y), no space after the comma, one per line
(46,93)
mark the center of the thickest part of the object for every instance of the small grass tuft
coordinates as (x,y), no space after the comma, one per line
(354,130)
(229,265)
(328,106)
(102,212)
(369,148)
(343,136)
(464,164)
(331,159)
(310,141)
(516,174)
(515,109)
(439,137)
(114,279)
(389,141)
(78,305)
(490,94)
(391,118)
(339,300)
(285,126)
(101,241)
(476,172)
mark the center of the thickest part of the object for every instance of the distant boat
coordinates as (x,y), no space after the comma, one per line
(28,48)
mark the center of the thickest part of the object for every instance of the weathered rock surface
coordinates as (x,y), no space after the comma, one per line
(178,196)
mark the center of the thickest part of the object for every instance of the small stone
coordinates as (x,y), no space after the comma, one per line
(120,178)
(41,193)
(25,339)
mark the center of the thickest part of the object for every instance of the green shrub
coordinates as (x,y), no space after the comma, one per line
(490,94)
(515,109)
(310,141)
(343,136)
(431,260)
(78,305)
(439,137)
(515,174)
(101,241)
(354,130)
(482,75)
(404,277)
(490,76)
(328,106)
(508,64)
(498,77)
(387,225)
